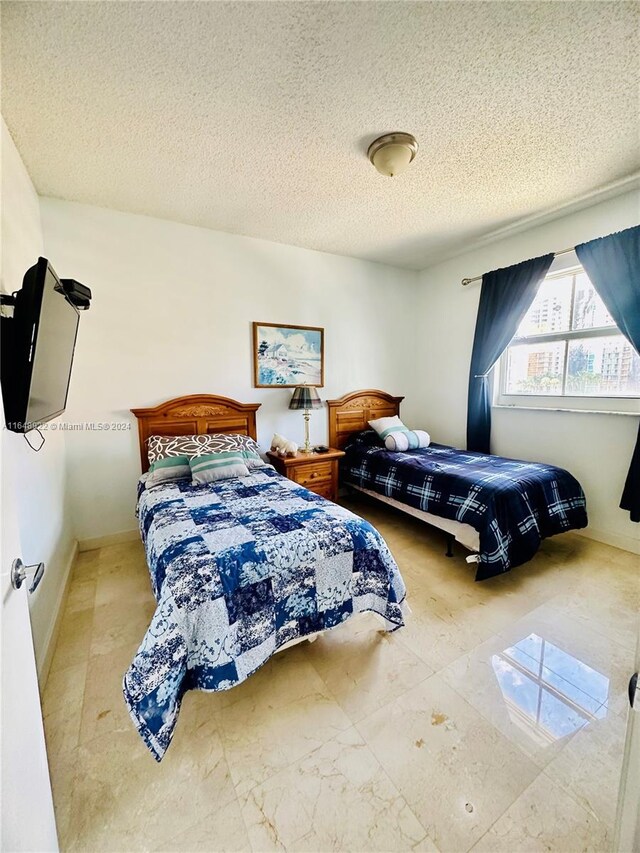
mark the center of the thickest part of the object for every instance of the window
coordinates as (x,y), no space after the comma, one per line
(568,346)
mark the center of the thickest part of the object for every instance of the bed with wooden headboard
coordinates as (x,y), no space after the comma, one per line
(196,414)
(216,624)
(350,415)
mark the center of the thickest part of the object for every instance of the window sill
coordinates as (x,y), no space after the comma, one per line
(564,409)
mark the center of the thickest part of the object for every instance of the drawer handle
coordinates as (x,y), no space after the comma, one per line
(314,475)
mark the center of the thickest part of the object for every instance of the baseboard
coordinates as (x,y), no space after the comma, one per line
(617,540)
(83,545)
(111,539)
(54,630)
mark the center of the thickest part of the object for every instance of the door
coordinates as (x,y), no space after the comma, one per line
(627,837)
(28,822)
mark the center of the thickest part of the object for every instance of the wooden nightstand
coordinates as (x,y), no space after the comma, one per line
(317,472)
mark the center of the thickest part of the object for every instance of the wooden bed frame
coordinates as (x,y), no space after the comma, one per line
(201,414)
(349,415)
(196,414)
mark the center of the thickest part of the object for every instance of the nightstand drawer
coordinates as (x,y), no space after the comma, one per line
(314,475)
(316,472)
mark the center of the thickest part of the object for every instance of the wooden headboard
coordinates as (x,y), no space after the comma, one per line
(197,414)
(350,413)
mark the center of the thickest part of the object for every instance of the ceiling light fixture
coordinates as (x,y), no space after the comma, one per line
(392,153)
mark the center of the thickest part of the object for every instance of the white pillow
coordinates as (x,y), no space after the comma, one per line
(408,439)
(397,437)
(383,425)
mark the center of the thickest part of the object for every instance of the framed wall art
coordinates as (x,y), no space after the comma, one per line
(286,356)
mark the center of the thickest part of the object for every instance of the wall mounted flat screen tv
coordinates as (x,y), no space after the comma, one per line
(37,350)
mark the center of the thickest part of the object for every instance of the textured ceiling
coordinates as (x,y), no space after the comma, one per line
(254,118)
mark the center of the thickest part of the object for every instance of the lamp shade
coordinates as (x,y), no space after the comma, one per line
(305,397)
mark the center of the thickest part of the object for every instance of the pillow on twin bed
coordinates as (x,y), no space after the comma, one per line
(164,446)
(408,439)
(168,470)
(209,467)
(397,437)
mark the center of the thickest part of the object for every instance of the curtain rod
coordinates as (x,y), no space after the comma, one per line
(466,281)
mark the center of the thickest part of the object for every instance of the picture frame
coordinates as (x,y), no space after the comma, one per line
(285,356)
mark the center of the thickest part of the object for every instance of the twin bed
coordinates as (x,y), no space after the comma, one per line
(245,566)
(499,509)
(240,568)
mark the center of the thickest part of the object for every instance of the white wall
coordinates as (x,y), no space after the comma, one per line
(40,478)
(595,448)
(171,315)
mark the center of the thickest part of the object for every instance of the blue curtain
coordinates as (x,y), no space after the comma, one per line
(504,300)
(613,266)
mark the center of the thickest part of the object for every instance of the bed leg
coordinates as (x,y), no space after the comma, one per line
(450,540)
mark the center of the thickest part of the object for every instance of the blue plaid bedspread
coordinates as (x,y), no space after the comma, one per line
(512,504)
(239,568)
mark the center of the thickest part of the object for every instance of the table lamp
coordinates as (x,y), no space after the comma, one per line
(305,397)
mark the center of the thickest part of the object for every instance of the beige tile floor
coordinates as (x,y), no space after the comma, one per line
(494,720)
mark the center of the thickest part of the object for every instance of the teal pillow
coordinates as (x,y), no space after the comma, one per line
(253,459)
(218,466)
(168,470)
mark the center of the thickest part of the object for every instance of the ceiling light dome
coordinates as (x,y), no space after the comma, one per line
(392,153)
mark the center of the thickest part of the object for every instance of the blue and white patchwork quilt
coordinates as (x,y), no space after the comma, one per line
(512,504)
(239,568)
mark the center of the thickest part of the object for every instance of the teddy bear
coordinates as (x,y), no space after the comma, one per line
(282,446)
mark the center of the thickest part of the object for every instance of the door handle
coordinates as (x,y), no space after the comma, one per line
(633,684)
(20,572)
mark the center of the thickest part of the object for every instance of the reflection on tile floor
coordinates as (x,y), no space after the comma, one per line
(548,692)
(495,719)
